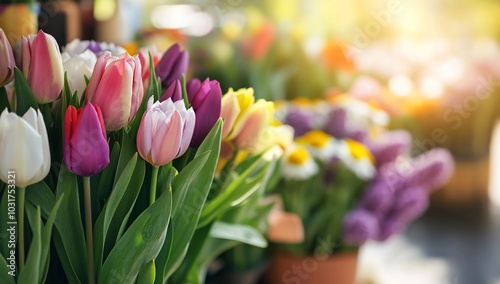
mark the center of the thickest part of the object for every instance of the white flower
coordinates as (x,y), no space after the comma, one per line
(77,67)
(24,147)
(297,164)
(357,158)
(321,145)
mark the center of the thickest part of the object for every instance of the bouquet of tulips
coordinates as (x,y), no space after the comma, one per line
(109,165)
(348,178)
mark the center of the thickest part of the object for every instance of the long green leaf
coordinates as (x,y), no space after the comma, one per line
(70,237)
(237,232)
(140,243)
(5,271)
(24,96)
(46,236)
(108,175)
(188,212)
(31,271)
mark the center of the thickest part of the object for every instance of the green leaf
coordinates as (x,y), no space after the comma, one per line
(31,271)
(69,239)
(147,274)
(188,209)
(107,178)
(114,215)
(46,236)
(25,97)
(4,217)
(4,100)
(237,232)
(140,243)
(127,151)
(236,193)
(4,271)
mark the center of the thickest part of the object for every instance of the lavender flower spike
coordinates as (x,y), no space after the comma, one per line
(359,227)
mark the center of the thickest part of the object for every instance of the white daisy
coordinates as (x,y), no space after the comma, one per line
(297,164)
(358,159)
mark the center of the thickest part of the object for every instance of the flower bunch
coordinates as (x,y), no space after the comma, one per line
(142,145)
(349,178)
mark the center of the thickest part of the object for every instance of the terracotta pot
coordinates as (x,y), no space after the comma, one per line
(335,269)
(18,20)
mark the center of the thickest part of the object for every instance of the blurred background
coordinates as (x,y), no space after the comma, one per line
(433,65)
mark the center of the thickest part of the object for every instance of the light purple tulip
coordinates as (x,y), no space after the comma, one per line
(116,87)
(165,131)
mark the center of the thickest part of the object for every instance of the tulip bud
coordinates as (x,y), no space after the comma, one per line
(24,147)
(174,92)
(173,64)
(7,60)
(41,64)
(86,149)
(116,87)
(165,131)
(206,101)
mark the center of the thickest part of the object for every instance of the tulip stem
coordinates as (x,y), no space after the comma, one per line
(154,179)
(88,225)
(20,199)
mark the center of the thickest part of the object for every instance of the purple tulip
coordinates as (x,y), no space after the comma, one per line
(174,92)
(173,64)
(359,227)
(205,98)
(86,149)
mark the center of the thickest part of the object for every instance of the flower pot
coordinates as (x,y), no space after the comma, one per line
(334,269)
(18,20)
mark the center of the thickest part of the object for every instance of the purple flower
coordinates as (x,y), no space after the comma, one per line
(173,64)
(388,228)
(174,91)
(432,169)
(77,46)
(389,146)
(205,98)
(378,198)
(301,120)
(410,204)
(338,128)
(359,227)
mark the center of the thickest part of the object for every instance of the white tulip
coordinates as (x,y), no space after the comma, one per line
(24,147)
(77,67)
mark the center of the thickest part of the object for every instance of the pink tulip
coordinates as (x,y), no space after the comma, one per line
(7,62)
(165,131)
(116,87)
(256,120)
(41,64)
(86,149)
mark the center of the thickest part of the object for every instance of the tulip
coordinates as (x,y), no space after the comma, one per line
(41,64)
(78,66)
(174,92)
(144,58)
(165,131)
(24,147)
(255,121)
(78,47)
(173,64)
(7,60)
(234,107)
(116,87)
(206,101)
(86,149)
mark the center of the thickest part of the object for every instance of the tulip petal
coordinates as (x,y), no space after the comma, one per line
(229,112)
(187,132)
(168,141)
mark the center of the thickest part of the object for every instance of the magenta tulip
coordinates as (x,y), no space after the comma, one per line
(41,64)
(7,60)
(165,131)
(173,64)
(116,87)
(206,100)
(86,149)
